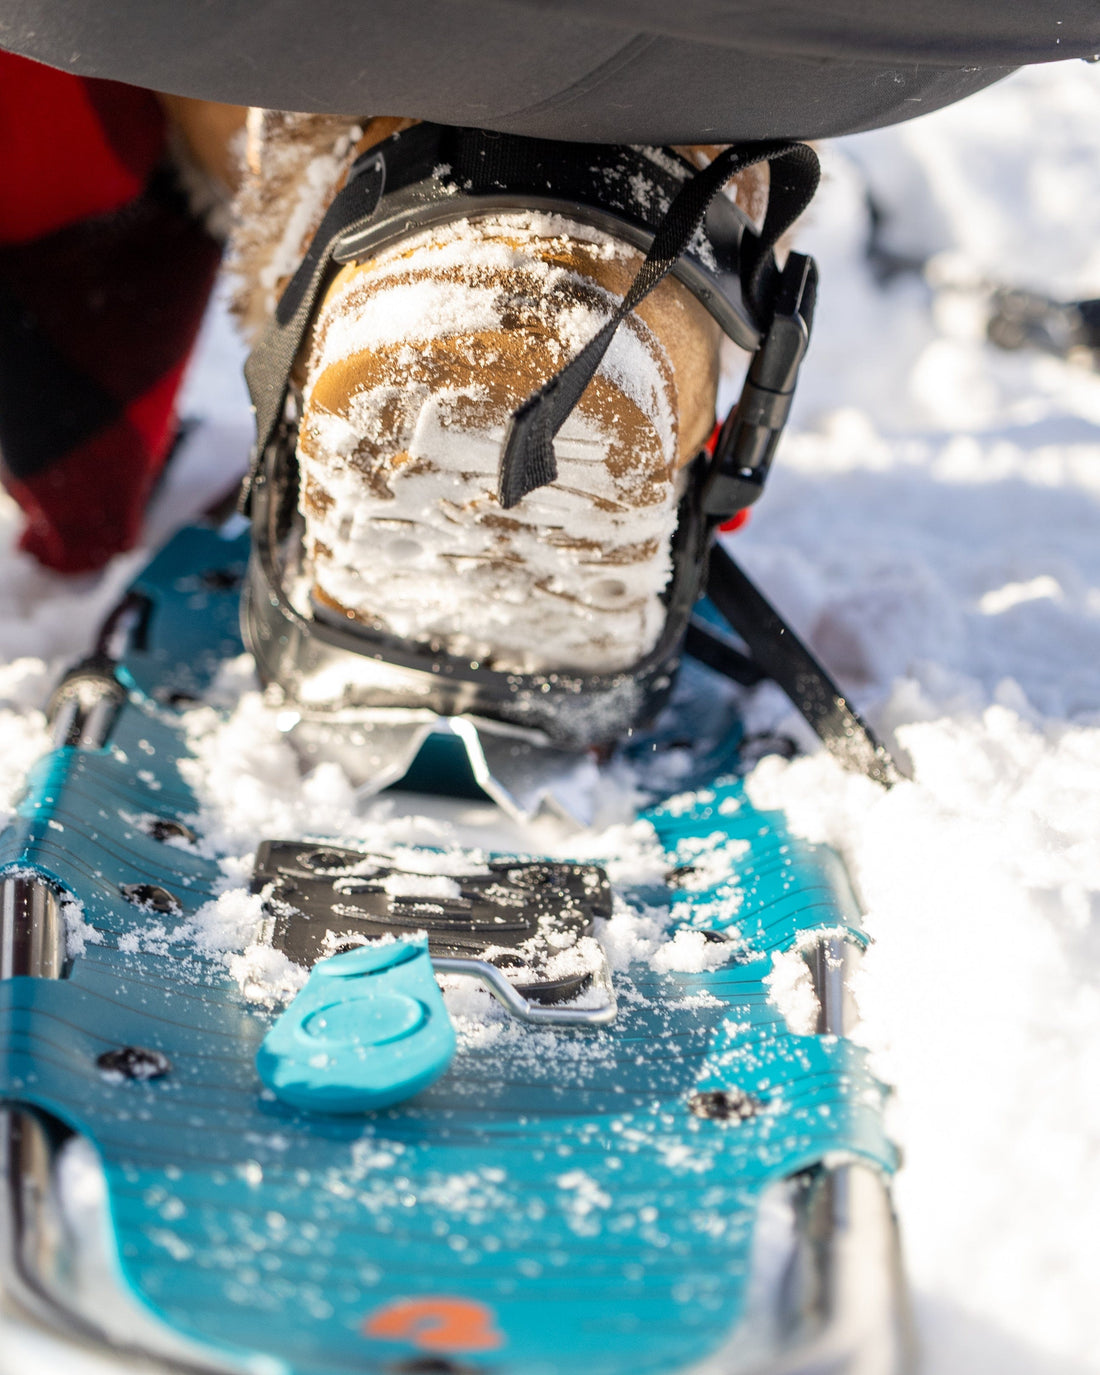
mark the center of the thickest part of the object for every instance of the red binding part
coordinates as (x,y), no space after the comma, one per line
(739,518)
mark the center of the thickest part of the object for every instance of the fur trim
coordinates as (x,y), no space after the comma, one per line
(294,165)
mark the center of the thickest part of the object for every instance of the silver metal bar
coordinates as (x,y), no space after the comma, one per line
(828,1296)
(827,1293)
(83,710)
(32,930)
(97,726)
(65,722)
(844,1297)
(64,1272)
(28,1224)
(831,960)
(537,1014)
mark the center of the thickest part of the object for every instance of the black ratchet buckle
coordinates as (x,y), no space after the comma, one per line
(748,439)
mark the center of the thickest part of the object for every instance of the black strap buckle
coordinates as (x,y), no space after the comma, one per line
(748,439)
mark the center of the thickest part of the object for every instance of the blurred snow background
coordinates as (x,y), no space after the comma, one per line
(933,527)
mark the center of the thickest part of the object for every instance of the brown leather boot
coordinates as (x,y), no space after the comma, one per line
(415,361)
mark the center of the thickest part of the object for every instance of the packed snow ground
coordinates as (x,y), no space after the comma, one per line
(933,526)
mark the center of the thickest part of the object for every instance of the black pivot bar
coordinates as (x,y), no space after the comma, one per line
(782,656)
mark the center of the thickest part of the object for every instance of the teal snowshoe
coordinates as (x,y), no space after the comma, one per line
(486,1104)
(639,1168)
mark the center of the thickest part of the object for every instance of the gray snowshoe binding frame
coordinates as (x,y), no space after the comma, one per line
(655,200)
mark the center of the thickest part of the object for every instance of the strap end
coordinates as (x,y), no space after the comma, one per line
(527,459)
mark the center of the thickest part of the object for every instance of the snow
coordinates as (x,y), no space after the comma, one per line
(689,952)
(933,528)
(791,989)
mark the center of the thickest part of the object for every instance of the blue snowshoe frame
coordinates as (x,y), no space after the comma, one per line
(559,1200)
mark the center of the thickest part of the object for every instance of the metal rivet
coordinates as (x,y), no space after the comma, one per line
(221,579)
(135,1062)
(151,895)
(165,828)
(175,697)
(724,1105)
(676,878)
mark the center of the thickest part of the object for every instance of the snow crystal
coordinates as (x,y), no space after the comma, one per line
(582,1201)
(791,989)
(689,952)
(421,886)
(266,976)
(228,923)
(79,933)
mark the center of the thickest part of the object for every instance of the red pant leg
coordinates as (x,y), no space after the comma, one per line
(104,276)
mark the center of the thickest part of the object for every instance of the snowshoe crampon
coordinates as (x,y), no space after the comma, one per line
(640,1170)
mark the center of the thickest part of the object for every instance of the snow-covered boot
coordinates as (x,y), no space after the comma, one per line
(487,476)
(416,359)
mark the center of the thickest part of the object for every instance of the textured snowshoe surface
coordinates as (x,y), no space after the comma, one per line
(558,1200)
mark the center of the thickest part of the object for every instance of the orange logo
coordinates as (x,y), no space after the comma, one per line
(437,1324)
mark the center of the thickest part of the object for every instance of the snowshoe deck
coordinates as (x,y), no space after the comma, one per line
(560,1199)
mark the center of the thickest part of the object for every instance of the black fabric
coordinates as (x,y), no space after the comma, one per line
(615,71)
(48,405)
(707,645)
(268,366)
(934,31)
(527,462)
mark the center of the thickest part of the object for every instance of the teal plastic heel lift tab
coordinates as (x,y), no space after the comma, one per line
(369,1029)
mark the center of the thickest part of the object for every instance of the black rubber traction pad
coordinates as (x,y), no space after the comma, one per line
(323,898)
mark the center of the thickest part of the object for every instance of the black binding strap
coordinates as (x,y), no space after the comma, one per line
(527,461)
(267,368)
(777,650)
(707,644)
